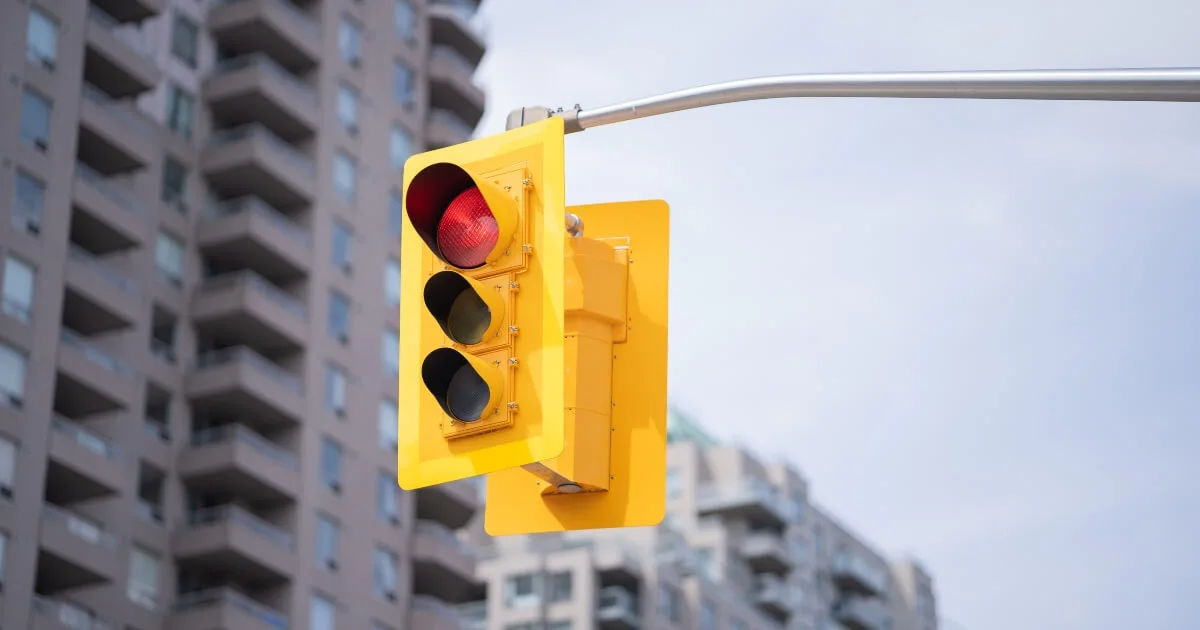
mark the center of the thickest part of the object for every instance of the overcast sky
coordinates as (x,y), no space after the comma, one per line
(973,325)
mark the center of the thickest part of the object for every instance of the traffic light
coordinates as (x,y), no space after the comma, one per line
(612,471)
(481,381)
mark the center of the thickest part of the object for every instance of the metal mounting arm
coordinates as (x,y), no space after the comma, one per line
(1150,84)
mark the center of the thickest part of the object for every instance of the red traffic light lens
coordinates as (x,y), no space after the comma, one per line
(468,230)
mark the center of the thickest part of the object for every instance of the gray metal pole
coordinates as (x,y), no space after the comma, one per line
(1149,84)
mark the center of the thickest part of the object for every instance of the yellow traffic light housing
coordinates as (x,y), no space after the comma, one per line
(612,471)
(481,316)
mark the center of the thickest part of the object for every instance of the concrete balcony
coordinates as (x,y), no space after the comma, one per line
(766,552)
(74,552)
(431,613)
(89,379)
(240,382)
(858,613)
(471,615)
(772,597)
(751,499)
(58,614)
(117,59)
(82,464)
(114,138)
(254,89)
(231,540)
(97,298)
(242,308)
(453,24)
(234,460)
(249,234)
(617,610)
(130,10)
(223,609)
(107,216)
(251,161)
(444,128)
(452,85)
(275,27)
(618,564)
(443,565)
(451,504)
(854,574)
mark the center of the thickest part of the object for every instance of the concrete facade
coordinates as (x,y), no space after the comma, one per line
(197,339)
(743,547)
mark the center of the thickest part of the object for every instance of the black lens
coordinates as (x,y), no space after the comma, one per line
(467,395)
(468,318)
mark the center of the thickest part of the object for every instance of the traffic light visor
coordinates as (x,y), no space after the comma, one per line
(464,221)
(467,310)
(466,387)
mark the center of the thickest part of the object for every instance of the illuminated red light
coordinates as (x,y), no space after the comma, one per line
(468,231)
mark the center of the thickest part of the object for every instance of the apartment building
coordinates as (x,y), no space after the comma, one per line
(197,332)
(743,548)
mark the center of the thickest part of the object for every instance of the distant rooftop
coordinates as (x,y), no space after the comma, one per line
(682,428)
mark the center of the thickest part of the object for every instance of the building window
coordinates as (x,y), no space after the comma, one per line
(41,39)
(674,483)
(18,289)
(29,198)
(339,317)
(668,602)
(385,574)
(559,625)
(391,352)
(405,20)
(391,282)
(736,624)
(168,258)
(708,616)
(395,214)
(181,106)
(347,108)
(402,83)
(386,503)
(560,587)
(174,184)
(350,42)
(143,579)
(402,147)
(387,425)
(335,391)
(521,591)
(327,542)
(345,176)
(3,553)
(35,119)
(8,467)
(331,464)
(185,37)
(342,239)
(321,614)
(12,376)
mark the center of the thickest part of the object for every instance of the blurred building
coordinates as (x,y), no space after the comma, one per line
(197,337)
(742,548)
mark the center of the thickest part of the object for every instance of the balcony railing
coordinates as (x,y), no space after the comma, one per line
(249,203)
(302,19)
(112,276)
(131,35)
(118,194)
(260,284)
(443,533)
(449,119)
(139,125)
(68,615)
(217,596)
(241,353)
(453,57)
(851,564)
(93,442)
(93,354)
(471,615)
(256,130)
(750,489)
(82,528)
(235,514)
(231,432)
(300,89)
